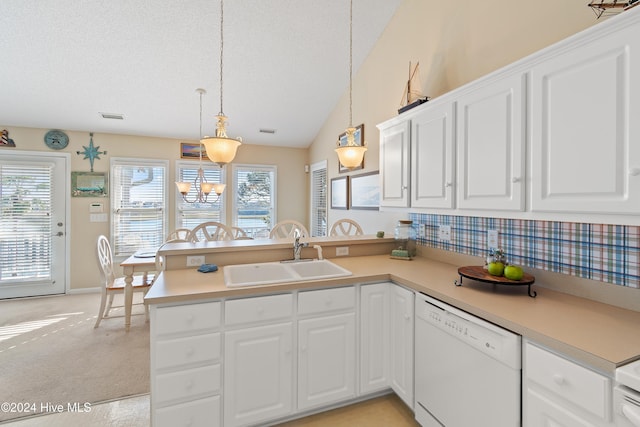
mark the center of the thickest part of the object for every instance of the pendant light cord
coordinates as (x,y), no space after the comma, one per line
(221,49)
(351,64)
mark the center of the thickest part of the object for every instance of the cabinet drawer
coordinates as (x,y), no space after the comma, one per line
(258,309)
(182,351)
(199,413)
(187,318)
(327,300)
(187,383)
(577,384)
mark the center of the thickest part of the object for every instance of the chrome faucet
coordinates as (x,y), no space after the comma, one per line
(297,246)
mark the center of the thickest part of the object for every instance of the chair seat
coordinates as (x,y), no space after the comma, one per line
(119,283)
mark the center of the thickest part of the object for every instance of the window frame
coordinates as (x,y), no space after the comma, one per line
(186,164)
(313,208)
(114,201)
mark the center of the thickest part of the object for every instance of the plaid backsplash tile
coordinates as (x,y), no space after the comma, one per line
(608,253)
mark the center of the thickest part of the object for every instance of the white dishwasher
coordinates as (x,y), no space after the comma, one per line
(468,371)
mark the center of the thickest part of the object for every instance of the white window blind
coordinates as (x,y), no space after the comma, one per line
(25,222)
(190,215)
(255,198)
(138,193)
(319,199)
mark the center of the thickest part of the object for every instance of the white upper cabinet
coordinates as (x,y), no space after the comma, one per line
(584,126)
(394,165)
(491,145)
(432,176)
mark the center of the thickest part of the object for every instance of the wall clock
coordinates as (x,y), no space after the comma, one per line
(56,139)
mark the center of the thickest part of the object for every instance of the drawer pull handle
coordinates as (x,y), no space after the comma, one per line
(329,301)
(189,385)
(634,171)
(190,319)
(558,379)
(515,179)
(260,310)
(448,184)
(407,317)
(190,352)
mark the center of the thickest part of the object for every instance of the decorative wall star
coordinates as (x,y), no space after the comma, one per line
(91,152)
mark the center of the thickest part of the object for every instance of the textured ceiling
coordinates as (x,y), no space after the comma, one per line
(285,64)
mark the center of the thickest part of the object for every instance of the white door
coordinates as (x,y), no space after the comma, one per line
(374,337)
(491,142)
(327,363)
(394,165)
(34,190)
(258,374)
(401,345)
(432,156)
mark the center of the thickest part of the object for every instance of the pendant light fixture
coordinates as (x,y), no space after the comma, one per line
(203,188)
(351,155)
(220,148)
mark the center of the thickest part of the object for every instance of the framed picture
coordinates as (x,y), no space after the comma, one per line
(359,137)
(192,151)
(365,191)
(339,193)
(89,184)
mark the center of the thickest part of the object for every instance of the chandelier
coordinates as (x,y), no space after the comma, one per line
(203,188)
(351,155)
(220,148)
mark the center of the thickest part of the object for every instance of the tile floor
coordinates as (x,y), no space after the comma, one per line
(385,411)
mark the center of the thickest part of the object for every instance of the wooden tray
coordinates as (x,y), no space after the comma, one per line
(477,272)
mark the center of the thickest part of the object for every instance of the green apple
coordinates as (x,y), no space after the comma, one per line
(495,268)
(513,272)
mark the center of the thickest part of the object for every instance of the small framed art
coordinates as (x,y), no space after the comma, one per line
(192,151)
(364,191)
(340,193)
(89,184)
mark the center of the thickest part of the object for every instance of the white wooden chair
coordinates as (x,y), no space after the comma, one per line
(346,227)
(285,229)
(111,284)
(210,231)
(239,234)
(179,235)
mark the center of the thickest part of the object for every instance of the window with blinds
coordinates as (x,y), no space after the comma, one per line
(25,222)
(254,207)
(319,199)
(189,215)
(138,201)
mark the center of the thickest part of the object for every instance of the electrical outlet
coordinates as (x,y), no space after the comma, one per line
(422,233)
(342,250)
(492,239)
(195,260)
(444,233)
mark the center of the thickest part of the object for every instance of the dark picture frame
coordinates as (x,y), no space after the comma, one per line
(340,193)
(364,191)
(189,150)
(342,140)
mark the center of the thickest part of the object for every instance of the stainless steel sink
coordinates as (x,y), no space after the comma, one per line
(279,272)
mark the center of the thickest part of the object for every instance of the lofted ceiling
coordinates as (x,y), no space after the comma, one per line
(286,64)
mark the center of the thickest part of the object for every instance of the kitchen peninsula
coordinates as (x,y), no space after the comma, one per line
(197,323)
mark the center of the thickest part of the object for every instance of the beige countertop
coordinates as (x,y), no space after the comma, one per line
(599,335)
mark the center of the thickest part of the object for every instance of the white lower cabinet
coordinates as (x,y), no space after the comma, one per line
(374,337)
(560,393)
(326,347)
(401,342)
(258,361)
(186,365)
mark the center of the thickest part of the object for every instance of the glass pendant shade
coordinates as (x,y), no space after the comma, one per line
(220,148)
(183,187)
(351,155)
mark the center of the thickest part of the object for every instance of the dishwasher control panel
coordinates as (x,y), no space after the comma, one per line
(488,338)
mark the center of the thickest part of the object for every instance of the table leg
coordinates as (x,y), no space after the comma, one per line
(128,296)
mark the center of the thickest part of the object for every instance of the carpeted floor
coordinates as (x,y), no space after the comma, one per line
(50,354)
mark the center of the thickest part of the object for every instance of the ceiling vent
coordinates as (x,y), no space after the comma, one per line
(113,116)
(271,131)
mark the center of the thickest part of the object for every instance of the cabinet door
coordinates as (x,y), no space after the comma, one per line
(543,411)
(491,142)
(327,360)
(394,165)
(432,156)
(374,337)
(258,374)
(585,129)
(401,345)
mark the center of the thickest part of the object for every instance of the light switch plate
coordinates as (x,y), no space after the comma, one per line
(492,239)
(444,233)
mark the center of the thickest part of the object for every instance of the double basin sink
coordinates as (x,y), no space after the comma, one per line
(281,272)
